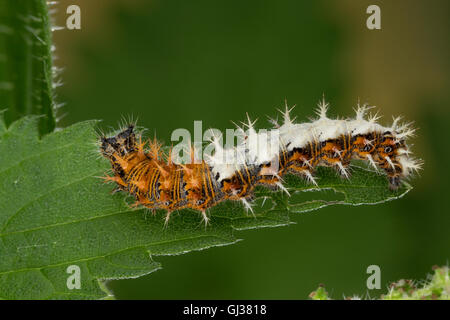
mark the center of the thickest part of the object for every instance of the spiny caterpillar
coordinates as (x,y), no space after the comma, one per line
(157,182)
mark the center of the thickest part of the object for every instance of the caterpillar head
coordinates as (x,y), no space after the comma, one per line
(121,144)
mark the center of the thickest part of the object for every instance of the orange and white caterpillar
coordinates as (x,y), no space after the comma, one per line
(157,182)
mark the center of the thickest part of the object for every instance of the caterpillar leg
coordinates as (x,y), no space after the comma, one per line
(394,181)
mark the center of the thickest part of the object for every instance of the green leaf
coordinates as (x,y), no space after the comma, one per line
(435,287)
(26,76)
(55,212)
(319,294)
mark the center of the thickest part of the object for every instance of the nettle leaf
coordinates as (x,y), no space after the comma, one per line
(434,287)
(26,62)
(55,213)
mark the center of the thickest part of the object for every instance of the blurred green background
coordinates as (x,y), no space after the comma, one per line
(172,62)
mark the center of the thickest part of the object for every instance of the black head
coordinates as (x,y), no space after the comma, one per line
(122,143)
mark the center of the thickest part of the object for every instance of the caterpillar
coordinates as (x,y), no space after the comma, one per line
(158,182)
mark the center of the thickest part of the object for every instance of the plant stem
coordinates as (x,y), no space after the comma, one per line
(26,76)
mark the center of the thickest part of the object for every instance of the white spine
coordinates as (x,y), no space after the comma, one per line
(259,146)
